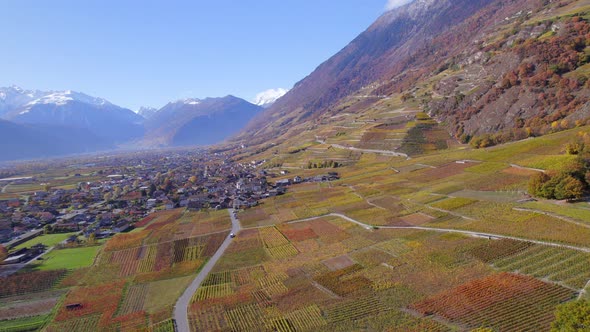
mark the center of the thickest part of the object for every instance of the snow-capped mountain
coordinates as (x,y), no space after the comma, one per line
(147,112)
(268,97)
(71,109)
(13,97)
(63,97)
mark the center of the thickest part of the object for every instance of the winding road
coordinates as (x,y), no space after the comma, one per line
(528,168)
(181,307)
(447,230)
(384,152)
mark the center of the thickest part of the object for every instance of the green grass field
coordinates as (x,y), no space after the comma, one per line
(23,324)
(49,240)
(67,259)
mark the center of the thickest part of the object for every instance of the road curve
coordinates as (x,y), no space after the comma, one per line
(447,230)
(384,152)
(181,307)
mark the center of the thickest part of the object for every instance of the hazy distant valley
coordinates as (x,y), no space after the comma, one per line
(37,124)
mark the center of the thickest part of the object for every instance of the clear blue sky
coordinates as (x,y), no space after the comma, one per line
(146,53)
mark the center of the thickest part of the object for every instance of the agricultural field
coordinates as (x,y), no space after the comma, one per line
(299,265)
(138,276)
(49,240)
(29,299)
(503,302)
(33,323)
(337,263)
(328,274)
(563,266)
(130,283)
(30,282)
(69,258)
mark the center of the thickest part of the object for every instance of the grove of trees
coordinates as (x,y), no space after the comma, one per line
(572,181)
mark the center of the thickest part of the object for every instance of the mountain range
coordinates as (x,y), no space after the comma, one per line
(39,124)
(486,71)
(198,122)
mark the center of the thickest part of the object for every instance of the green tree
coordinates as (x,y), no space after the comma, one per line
(572,316)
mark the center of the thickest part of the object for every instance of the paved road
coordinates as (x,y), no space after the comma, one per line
(385,152)
(181,307)
(4,188)
(448,230)
(528,168)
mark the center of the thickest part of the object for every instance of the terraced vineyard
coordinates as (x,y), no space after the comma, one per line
(564,266)
(339,275)
(23,283)
(138,276)
(504,302)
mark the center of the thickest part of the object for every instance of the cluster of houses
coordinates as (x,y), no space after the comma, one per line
(25,254)
(131,187)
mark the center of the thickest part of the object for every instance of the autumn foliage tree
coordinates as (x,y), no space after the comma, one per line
(560,185)
(572,316)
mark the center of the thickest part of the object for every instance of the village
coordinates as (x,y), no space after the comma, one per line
(130,188)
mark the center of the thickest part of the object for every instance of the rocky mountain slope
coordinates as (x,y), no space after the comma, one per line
(492,70)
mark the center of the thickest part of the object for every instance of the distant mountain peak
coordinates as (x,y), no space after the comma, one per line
(15,91)
(147,112)
(268,97)
(413,9)
(393,4)
(195,121)
(63,97)
(16,88)
(192,101)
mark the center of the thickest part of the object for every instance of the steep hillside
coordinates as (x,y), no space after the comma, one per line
(478,67)
(198,122)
